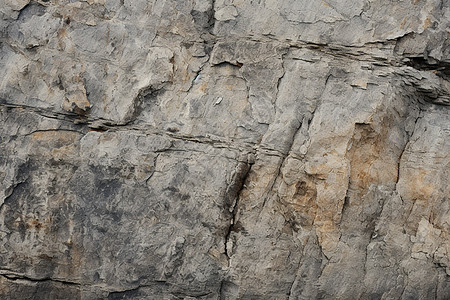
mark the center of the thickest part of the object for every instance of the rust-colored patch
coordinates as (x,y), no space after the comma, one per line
(418,187)
(76,257)
(203,87)
(403,22)
(62,143)
(368,156)
(427,23)
(60,137)
(35,224)
(61,33)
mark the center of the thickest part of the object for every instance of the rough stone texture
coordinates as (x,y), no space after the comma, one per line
(227,149)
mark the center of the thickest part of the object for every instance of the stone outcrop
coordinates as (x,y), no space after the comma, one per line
(224,149)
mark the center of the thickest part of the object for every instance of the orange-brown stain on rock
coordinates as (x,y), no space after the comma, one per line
(31,224)
(427,23)
(55,138)
(34,224)
(299,201)
(369,158)
(62,143)
(76,257)
(61,35)
(403,22)
(203,87)
(418,187)
(59,138)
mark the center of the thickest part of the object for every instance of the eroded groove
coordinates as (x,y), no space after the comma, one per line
(407,144)
(67,117)
(285,155)
(124,294)
(14,276)
(232,195)
(54,130)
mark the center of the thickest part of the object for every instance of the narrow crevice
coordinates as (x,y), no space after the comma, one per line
(294,282)
(441,68)
(155,159)
(190,295)
(277,92)
(221,290)
(346,203)
(399,163)
(284,156)
(54,130)
(212,18)
(67,117)
(232,64)
(232,195)
(324,264)
(124,294)
(365,262)
(274,180)
(14,277)
(196,78)
(405,284)
(407,143)
(436,289)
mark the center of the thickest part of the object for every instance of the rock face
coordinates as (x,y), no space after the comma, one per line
(227,149)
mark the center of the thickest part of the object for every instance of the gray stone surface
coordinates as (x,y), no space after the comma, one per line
(224,149)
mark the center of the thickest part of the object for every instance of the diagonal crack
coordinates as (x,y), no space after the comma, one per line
(232,195)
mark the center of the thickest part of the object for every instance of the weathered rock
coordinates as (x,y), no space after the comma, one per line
(224,149)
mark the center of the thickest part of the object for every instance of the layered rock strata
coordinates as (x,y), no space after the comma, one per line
(224,149)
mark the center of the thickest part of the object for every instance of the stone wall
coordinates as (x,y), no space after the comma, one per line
(227,149)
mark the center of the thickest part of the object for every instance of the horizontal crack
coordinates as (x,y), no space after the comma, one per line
(15,276)
(53,130)
(48,113)
(215,142)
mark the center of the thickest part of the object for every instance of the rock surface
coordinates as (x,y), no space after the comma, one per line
(225,149)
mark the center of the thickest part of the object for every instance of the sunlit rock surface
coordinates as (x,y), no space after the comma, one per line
(224,149)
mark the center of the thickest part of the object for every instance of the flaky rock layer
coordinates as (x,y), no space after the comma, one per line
(235,149)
